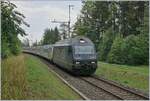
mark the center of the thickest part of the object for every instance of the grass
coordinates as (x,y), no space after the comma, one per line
(26,77)
(132,76)
(44,84)
(14,83)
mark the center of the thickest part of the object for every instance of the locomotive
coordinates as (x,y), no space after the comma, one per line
(76,55)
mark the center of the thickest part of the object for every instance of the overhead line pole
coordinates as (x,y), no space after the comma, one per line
(69,21)
(70,35)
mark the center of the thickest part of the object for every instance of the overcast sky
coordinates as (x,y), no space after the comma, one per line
(39,14)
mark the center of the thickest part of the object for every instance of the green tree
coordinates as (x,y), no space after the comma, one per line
(50,36)
(115,26)
(115,55)
(92,21)
(56,34)
(131,16)
(105,44)
(11,21)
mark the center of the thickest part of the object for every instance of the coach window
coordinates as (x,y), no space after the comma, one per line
(70,53)
(69,50)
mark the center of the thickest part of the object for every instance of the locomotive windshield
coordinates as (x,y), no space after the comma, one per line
(84,49)
(84,52)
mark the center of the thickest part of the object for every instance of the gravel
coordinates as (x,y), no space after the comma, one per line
(115,90)
(88,90)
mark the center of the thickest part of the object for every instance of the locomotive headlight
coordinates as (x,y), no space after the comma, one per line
(92,62)
(77,62)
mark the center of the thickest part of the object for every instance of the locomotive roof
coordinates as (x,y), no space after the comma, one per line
(74,41)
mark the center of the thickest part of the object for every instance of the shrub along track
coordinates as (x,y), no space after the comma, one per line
(92,87)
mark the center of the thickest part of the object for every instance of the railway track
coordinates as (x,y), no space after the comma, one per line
(92,92)
(118,91)
(101,88)
(95,88)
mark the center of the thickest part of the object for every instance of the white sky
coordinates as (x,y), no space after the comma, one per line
(39,14)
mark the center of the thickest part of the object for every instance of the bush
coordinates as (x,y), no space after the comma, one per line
(137,49)
(5,52)
(141,52)
(115,55)
(132,50)
(11,47)
(15,46)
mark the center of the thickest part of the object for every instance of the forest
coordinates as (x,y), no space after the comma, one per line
(119,30)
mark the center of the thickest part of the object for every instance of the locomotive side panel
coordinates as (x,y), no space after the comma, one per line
(62,57)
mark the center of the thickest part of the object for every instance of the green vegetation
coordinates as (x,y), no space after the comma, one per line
(11,22)
(26,77)
(132,76)
(119,30)
(131,50)
(14,82)
(50,36)
(44,84)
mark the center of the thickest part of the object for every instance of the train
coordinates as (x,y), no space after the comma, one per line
(76,55)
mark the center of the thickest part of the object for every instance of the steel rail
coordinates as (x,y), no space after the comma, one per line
(97,78)
(111,93)
(121,87)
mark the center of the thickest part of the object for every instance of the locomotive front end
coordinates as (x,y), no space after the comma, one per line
(85,59)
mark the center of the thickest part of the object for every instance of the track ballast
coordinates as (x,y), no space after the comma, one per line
(95,88)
